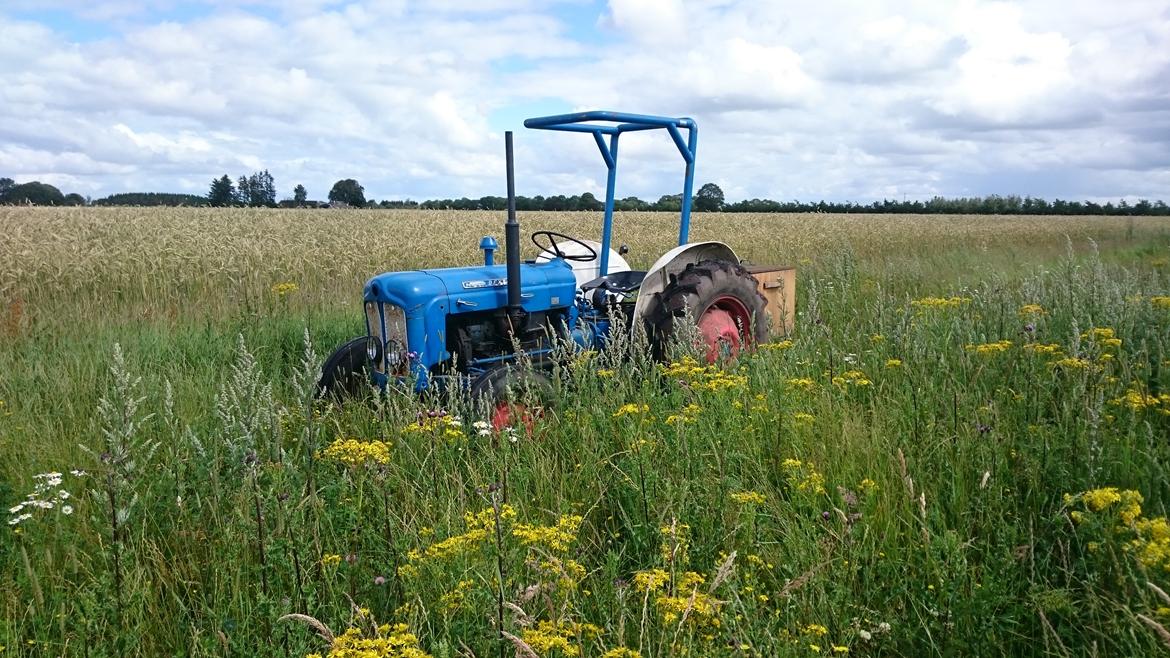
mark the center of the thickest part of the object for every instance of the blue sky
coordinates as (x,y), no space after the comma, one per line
(834,100)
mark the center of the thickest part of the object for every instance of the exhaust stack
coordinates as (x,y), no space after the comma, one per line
(512,232)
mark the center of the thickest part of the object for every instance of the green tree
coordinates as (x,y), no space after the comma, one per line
(35,193)
(300,194)
(348,191)
(5,185)
(590,202)
(709,198)
(669,202)
(222,193)
(74,199)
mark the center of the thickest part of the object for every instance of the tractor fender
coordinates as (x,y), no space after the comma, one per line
(671,264)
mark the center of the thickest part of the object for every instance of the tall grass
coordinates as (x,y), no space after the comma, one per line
(890,481)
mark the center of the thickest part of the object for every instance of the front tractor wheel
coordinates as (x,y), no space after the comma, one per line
(346,372)
(724,302)
(508,392)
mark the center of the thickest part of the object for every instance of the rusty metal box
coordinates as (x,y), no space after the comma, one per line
(778,286)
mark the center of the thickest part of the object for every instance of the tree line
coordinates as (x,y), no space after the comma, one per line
(258,189)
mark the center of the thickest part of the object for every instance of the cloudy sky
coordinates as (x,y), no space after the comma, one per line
(840,100)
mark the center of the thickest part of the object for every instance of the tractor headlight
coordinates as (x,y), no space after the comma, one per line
(395,354)
(373,349)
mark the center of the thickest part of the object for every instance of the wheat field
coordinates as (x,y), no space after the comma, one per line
(961,450)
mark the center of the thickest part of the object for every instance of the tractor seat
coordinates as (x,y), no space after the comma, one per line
(618,282)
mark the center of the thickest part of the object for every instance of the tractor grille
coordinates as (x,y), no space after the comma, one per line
(374,328)
(389,327)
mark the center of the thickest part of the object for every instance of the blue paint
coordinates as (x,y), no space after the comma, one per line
(614,124)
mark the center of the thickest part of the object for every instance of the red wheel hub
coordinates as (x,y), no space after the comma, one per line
(507,415)
(723,327)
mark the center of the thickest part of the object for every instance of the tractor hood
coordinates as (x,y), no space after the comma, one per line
(479,288)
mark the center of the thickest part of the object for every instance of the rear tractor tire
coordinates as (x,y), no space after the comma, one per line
(724,302)
(346,373)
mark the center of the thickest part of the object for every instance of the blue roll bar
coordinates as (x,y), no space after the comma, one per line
(616,123)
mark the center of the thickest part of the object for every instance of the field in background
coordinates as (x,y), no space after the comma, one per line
(892,481)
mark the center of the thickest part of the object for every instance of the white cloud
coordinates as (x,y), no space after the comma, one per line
(838,100)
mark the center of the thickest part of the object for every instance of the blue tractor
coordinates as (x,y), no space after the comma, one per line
(461,328)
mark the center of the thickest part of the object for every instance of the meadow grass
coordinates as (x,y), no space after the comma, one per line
(946,458)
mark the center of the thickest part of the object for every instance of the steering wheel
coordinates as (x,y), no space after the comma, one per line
(556,249)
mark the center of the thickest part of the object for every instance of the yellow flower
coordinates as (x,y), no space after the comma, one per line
(631,410)
(1160,301)
(1042,348)
(893,363)
(927,303)
(605,374)
(330,560)
(990,348)
(851,377)
(802,383)
(1098,333)
(283,290)
(748,498)
(555,538)
(1032,309)
(621,652)
(1071,363)
(386,642)
(778,347)
(352,452)
(651,581)
(868,485)
(840,649)
(802,418)
(815,630)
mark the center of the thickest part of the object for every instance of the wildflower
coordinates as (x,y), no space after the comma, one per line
(1160,301)
(282,290)
(674,543)
(1041,348)
(893,363)
(386,641)
(929,303)
(865,635)
(631,410)
(686,415)
(379,580)
(621,652)
(330,560)
(556,538)
(437,423)
(802,418)
(877,338)
(867,485)
(748,498)
(801,383)
(1032,309)
(353,452)
(66,509)
(851,377)
(482,427)
(777,347)
(605,374)
(815,630)
(651,581)
(548,636)
(1071,363)
(803,476)
(990,348)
